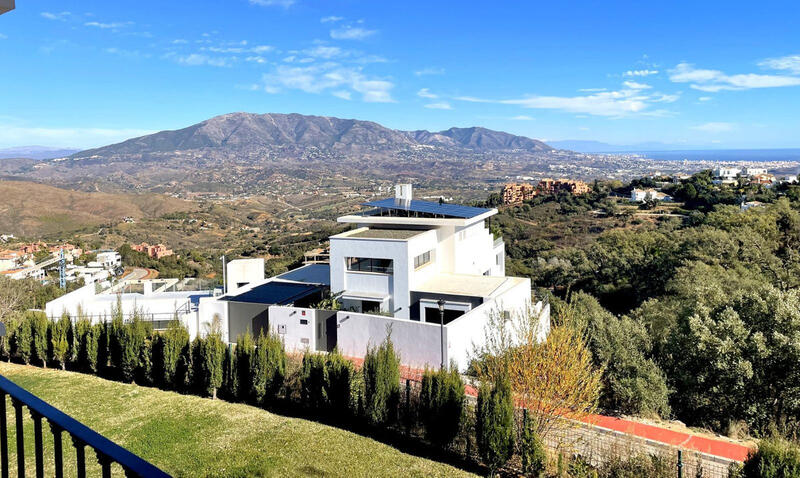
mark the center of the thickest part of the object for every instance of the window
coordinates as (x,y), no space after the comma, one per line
(423,259)
(362,264)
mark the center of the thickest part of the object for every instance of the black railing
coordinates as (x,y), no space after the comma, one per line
(107,452)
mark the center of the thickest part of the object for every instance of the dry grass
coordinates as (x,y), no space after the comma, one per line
(192,436)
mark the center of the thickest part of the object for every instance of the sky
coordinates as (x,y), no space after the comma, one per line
(709,74)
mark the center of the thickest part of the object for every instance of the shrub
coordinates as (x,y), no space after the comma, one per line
(89,348)
(116,330)
(381,383)
(39,337)
(212,352)
(775,458)
(132,340)
(59,344)
(494,426)
(268,367)
(229,375)
(183,370)
(245,349)
(338,386)
(441,405)
(103,347)
(6,342)
(532,451)
(312,381)
(22,343)
(655,466)
(167,347)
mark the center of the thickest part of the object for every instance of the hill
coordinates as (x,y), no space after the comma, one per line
(34,209)
(36,152)
(192,436)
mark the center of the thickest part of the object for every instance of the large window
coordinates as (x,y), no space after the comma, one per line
(364,264)
(423,259)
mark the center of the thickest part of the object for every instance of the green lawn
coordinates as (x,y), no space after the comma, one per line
(192,436)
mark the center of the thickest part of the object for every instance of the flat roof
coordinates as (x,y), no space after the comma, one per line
(275,292)
(445,210)
(309,273)
(467,285)
(387,233)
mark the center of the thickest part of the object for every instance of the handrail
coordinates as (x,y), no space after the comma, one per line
(107,451)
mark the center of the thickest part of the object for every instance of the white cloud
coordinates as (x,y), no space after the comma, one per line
(439,106)
(324,52)
(199,59)
(108,26)
(640,73)
(713,81)
(3,37)
(343,94)
(273,3)
(429,71)
(522,118)
(331,19)
(179,41)
(61,16)
(636,86)
(715,127)
(704,98)
(126,53)
(351,33)
(789,63)
(592,90)
(626,101)
(328,76)
(65,137)
(425,93)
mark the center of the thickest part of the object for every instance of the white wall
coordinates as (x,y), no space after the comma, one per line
(249,271)
(418,343)
(208,307)
(297,336)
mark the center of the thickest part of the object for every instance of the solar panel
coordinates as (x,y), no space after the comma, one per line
(275,293)
(429,207)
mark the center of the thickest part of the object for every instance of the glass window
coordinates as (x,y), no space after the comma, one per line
(365,264)
(422,259)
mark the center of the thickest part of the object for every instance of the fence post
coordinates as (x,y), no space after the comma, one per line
(680,463)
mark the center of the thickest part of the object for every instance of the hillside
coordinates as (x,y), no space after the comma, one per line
(34,209)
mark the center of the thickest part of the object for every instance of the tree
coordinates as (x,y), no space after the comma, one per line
(312,381)
(381,383)
(442,404)
(89,351)
(39,342)
(494,426)
(167,347)
(774,458)
(230,378)
(268,367)
(58,339)
(116,337)
(245,349)
(22,344)
(103,347)
(532,451)
(339,383)
(184,367)
(213,355)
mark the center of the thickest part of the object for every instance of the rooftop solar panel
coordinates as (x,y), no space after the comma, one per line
(275,293)
(429,207)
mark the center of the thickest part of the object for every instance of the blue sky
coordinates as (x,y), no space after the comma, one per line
(715,74)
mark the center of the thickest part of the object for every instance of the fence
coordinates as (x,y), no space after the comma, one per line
(107,452)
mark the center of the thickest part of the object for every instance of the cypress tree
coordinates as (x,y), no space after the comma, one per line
(183,370)
(103,348)
(90,348)
(245,349)
(39,333)
(268,367)
(6,342)
(230,376)
(23,338)
(442,405)
(59,343)
(381,383)
(494,427)
(133,342)
(532,451)
(338,386)
(116,335)
(167,347)
(80,330)
(312,381)
(213,355)
(72,343)
(196,378)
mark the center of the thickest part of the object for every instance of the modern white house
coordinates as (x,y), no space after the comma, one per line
(430,274)
(642,195)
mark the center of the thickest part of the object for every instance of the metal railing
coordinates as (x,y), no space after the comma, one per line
(107,452)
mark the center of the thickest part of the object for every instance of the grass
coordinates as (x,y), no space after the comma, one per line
(192,436)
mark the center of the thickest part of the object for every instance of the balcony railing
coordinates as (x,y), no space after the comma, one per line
(107,452)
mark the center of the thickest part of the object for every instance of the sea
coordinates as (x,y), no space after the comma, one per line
(725,155)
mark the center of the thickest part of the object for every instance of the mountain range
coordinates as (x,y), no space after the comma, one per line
(36,152)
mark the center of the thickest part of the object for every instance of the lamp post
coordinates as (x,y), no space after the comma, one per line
(441,303)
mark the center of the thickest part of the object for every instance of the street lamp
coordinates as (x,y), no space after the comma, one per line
(441,303)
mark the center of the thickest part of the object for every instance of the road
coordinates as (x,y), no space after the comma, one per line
(137,273)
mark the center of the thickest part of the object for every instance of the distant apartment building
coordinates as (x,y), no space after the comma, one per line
(517,193)
(727,173)
(762,178)
(749,172)
(555,186)
(156,251)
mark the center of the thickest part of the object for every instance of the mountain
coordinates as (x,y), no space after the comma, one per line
(36,152)
(246,130)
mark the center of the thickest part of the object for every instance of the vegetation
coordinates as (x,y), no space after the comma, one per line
(442,405)
(494,428)
(312,379)
(532,451)
(381,383)
(775,458)
(339,383)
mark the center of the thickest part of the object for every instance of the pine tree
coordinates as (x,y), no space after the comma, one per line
(338,386)
(494,427)
(212,357)
(442,405)
(59,344)
(39,333)
(245,350)
(381,383)
(312,381)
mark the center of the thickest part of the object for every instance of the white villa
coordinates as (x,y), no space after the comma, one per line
(429,273)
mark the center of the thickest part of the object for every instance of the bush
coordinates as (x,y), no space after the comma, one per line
(245,349)
(230,376)
(59,344)
(268,367)
(775,458)
(39,340)
(441,405)
(132,339)
(116,330)
(183,370)
(338,386)
(212,353)
(103,347)
(167,347)
(532,451)
(381,383)
(636,466)
(494,425)
(23,339)
(89,348)
(312,381)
